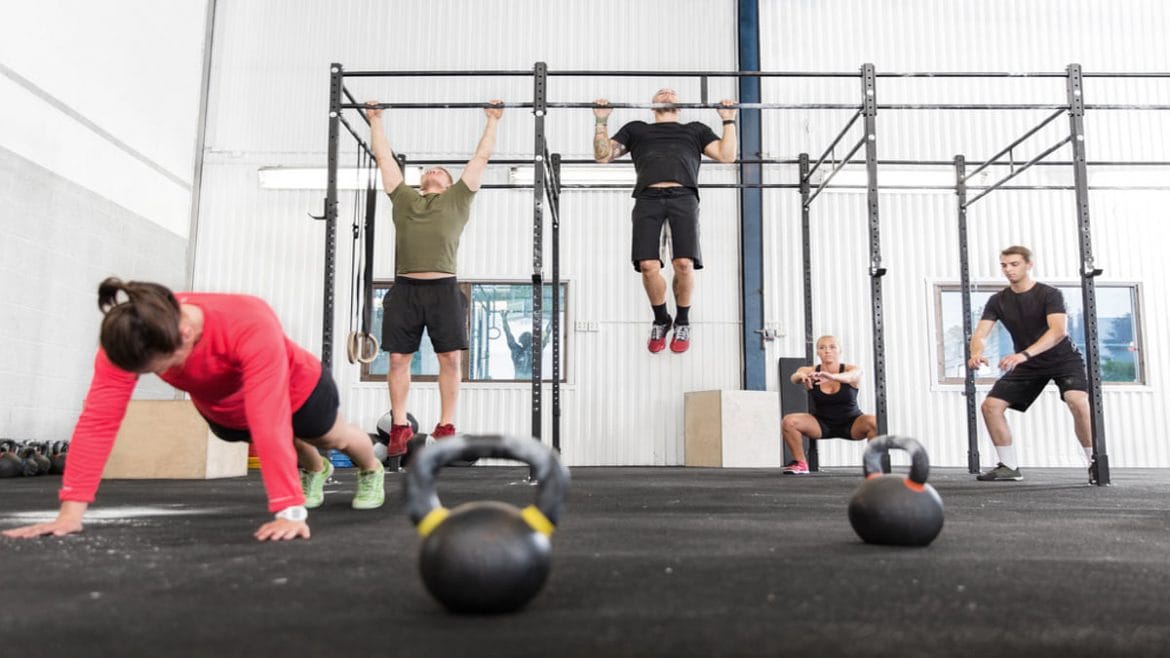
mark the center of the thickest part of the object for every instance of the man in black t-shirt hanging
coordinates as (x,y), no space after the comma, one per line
(1035,316)
(666,157)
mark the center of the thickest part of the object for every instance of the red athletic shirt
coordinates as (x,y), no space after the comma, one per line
(242,373)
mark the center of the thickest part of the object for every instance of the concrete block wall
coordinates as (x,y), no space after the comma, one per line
(58,240)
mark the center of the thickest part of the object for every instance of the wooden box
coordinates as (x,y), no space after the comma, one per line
(739,429)
(168,439)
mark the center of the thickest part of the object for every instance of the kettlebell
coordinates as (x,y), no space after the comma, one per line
(44,464)
(28,464)
(892,509)
(10,463)
(58,457)
(485,557)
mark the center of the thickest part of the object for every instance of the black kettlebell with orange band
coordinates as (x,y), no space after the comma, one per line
(485,556)
(892,509)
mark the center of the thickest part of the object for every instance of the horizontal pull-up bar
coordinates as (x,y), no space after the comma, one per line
(434,74)
(706,74)
(791,161)
(612,106)
(796,186)
(748,74)
(753,106)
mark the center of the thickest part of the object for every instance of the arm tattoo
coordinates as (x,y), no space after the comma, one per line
(601,147)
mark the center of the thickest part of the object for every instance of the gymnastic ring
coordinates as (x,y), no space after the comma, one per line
(361,347)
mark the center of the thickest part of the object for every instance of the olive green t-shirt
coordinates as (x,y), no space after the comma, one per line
(428,227)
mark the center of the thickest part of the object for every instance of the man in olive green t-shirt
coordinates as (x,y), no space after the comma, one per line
(427,224)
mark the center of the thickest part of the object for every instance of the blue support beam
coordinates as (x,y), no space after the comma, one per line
(751,204)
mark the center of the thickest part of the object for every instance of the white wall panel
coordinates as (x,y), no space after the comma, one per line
(112,109)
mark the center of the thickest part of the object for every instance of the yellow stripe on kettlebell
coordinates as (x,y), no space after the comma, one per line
(537,520)
(432,520)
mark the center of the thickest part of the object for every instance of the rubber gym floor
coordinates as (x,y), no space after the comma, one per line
(646,562)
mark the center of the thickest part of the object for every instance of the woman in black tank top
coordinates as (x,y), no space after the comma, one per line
(832,402)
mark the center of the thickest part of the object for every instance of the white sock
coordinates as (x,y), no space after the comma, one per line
(1089,455)
(1007,456)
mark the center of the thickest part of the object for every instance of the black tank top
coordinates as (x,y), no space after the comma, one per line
(835,407)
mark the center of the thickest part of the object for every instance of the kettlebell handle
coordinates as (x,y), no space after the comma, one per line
(919,462)
(552,476)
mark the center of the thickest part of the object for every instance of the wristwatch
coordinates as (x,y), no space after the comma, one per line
(294,513)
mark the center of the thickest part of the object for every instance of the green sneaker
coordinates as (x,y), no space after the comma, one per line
(371,489)
(1000,473)
(313,484)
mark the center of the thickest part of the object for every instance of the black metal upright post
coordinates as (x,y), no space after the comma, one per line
(876,271)
(965,290)
(539,108)
(367,319)
(806,257)
(811,452)
(555,203)
(336,74)
(1089,271)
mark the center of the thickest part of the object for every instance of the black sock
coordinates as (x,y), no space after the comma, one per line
(660,314)
(682,316)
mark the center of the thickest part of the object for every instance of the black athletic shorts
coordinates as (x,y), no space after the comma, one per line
(840,430)
(1020,388)
(314,419)
(438,305)
(657,205)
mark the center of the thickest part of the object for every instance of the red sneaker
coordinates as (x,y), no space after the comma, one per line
(399,436)
(795,467)
(657,341)
(681,339)
(443,431)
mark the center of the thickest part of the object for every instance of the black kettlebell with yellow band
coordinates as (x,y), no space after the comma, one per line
(486,556)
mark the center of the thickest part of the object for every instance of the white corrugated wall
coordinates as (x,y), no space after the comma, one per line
(269,101)
(919,230)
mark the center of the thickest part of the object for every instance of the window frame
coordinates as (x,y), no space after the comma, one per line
(937,289)
(466,286)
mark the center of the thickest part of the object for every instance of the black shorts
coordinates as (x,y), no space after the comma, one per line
(837,430)
(1020,388)
(657,205)
(314,418)
(438,305)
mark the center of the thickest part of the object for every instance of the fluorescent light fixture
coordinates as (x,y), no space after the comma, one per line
(580,175)
(310,178)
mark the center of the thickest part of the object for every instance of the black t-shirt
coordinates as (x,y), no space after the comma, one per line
(668,151)
(1025,315)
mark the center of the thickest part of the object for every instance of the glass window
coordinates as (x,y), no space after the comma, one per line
(1118,331)
(501,332)
(500,321)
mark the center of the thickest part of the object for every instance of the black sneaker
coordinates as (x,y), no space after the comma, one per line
(1093,477)
(1000,473)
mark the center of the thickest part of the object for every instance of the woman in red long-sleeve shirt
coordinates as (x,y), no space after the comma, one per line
(248,379)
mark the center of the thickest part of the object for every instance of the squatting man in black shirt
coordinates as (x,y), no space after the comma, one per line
(666,157)
(1035,316)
